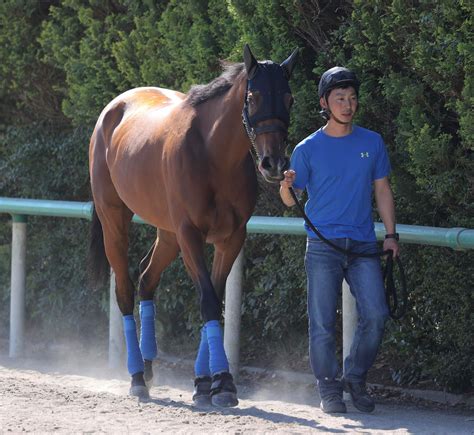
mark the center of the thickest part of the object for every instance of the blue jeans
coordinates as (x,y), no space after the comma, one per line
(325,269)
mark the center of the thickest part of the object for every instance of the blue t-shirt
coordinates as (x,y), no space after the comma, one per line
(338,174)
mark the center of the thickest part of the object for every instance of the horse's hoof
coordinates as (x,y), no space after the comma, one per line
(202,391)
(223,391)
(148,374)
(139,391)
(138,387)
(225,400)
(202,401)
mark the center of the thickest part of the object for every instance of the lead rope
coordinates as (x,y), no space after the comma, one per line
(396,311)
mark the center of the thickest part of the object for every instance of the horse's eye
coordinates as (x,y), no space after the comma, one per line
(253,100)
(289,100)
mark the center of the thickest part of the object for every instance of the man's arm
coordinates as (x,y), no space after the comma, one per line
(285,185)
(386,209)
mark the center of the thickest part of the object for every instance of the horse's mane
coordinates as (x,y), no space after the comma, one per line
(200,93)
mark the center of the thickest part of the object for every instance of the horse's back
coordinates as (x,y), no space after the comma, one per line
(128,140)
(146,98)
(130,108)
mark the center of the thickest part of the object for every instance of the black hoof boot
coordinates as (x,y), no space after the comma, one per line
(148,374)
(138,387)
(202,391)
(223,391)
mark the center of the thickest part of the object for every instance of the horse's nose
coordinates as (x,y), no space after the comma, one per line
(269,163)
(275,165)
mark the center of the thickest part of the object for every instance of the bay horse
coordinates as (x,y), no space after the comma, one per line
(183,163)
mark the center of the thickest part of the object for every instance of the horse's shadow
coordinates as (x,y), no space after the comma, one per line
(253,411)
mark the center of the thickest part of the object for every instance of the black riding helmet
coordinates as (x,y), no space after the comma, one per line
(336,77)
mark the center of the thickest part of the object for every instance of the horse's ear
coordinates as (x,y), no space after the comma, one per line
(289,63)
(251,63)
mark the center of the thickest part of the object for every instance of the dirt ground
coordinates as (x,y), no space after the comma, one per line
(54,397)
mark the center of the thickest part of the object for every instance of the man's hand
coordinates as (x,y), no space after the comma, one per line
(285,184)
(393,245)
(289,179)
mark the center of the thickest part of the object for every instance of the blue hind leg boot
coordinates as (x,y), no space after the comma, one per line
(217,357)
(134,356)
(201,365)
(147,333)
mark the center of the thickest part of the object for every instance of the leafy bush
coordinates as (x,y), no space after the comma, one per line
(63,61)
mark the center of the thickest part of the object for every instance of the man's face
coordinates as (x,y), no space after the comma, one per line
(342,103)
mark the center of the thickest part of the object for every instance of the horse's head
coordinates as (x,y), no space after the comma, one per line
(266,112)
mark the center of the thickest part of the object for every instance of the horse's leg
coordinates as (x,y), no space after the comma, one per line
(115,223)
(161,254)
(224,256)
(115,218)
(223,390)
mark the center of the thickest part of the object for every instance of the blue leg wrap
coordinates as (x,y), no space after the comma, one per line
(201,366)
(147,333)
(217,357)
(134,359)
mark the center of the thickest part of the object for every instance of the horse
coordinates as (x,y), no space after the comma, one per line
(183,163)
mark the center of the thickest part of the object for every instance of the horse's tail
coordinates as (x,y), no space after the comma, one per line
(98,265)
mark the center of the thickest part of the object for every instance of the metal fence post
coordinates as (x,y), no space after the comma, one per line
(233,301)
(349,322)
(18,284)
(116,338)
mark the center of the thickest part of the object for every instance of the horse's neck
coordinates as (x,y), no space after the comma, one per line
(221,127)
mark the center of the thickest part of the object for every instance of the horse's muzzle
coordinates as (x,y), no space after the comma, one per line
(272,168)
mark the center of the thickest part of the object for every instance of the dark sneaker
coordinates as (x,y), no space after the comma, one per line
(359,395)
(333,403)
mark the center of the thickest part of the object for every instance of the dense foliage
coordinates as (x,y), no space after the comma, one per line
(63,61)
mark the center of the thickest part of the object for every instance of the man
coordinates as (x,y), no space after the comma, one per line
(339,165)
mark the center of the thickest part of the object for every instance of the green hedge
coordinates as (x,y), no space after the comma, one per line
(63,61)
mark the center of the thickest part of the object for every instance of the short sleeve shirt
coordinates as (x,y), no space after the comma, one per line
(338,174)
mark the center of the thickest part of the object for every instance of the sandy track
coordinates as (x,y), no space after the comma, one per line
(42,401)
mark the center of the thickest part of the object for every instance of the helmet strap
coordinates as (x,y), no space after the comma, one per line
(325,114)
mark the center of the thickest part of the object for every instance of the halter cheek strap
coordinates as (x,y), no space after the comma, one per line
(246,121)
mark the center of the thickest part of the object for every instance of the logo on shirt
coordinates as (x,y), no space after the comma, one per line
(364,155)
